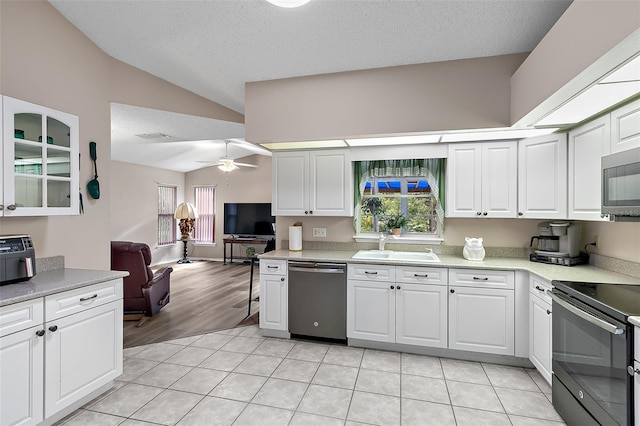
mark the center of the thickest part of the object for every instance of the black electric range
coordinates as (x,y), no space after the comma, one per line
(619,301)
(592,352)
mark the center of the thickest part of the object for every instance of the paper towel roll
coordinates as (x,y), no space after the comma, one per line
(295,238)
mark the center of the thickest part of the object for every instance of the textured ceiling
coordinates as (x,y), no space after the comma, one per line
(214,47)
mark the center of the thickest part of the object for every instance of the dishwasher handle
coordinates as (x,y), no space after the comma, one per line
(317,267)
(317,270)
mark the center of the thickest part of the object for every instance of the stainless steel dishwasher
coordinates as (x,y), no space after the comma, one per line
(318,299)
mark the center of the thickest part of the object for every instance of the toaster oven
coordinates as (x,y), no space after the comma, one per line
(17,258)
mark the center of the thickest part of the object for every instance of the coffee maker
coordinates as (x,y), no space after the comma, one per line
(558,243)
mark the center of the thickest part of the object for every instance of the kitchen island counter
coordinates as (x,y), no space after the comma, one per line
(549,272)
(54,281)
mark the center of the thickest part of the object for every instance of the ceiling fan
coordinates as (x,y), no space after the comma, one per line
(226,163)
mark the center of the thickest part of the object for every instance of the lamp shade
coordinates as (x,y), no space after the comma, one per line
(185,211)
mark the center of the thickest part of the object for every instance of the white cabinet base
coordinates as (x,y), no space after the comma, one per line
(22,387)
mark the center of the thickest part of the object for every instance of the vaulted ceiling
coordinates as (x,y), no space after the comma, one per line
(213,48)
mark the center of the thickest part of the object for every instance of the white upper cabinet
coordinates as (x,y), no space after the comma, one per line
(40,170)
(625,127)
(318,183)
(542,177)
(587,145)
(482,180)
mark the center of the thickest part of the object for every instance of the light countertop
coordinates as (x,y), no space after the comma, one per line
(55,281)
(635,321)
(587,273)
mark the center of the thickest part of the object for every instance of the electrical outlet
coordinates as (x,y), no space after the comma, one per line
(597,241)
(320,232)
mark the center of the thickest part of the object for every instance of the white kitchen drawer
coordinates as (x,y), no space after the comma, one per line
(81,299)
(273,267)
(371,272)
(539,287)
(421,275)
(482,278)
(20,316)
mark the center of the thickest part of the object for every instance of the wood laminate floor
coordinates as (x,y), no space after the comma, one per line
(205,296)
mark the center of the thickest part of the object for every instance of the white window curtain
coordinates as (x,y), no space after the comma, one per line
(166,222)
(204,232)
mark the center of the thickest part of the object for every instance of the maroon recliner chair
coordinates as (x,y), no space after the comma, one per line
(144,291)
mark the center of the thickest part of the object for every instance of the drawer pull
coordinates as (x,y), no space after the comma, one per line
(392,287)
(370,273)
(481,278)
(398,287)
(40,333)
(421,275)
(272,267)
(53,328)
(84,299)
(539,289)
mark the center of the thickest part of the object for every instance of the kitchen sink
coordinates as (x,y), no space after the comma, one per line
(409,256)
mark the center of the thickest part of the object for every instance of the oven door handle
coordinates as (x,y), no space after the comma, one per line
(607,326)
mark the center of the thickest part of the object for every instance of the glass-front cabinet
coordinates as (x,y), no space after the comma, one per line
(40,164)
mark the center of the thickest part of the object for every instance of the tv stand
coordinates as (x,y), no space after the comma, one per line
(241,241)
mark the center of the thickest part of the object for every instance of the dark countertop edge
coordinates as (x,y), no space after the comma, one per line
(587,273)
(54,281)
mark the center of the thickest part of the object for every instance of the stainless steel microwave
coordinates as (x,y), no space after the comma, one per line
(621,185)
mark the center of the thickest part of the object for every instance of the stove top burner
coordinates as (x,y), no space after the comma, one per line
(617,300)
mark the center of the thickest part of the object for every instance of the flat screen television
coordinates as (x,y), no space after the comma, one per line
(248,219)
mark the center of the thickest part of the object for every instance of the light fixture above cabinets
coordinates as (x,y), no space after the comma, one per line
(619,85)
(288,3)
(468,135)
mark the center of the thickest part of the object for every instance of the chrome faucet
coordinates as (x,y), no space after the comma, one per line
(383,240)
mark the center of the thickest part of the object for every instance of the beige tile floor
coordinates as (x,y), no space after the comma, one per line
(237,377)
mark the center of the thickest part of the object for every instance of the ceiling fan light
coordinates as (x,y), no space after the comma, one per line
(227,166)
(288,3)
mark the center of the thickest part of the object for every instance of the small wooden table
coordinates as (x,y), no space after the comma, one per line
(243,241)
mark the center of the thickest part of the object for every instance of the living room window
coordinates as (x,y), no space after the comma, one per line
(166,207)
(204,228)
(409,187)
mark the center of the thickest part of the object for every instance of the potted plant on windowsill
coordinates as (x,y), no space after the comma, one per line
(396,222)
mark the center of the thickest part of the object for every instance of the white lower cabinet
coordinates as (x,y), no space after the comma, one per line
(273,295)
(405,307)
(540,323)
(84,351)
(371,310)
(22,385)
(482,311)
(55,360)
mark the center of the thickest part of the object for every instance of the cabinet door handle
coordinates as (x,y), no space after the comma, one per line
(484,214)
(310,211)
(370,273)
(306,212)
(84,299)
(452,291)
(481,278)
(421,275)
(520,214)
(53,328)
(539,289)
(11,207)
(282,279)
(40,333)
(398,287)
(548,312)
(392,287)
(478,213)
(1,207)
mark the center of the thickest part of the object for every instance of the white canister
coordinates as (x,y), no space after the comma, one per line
(295,238)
